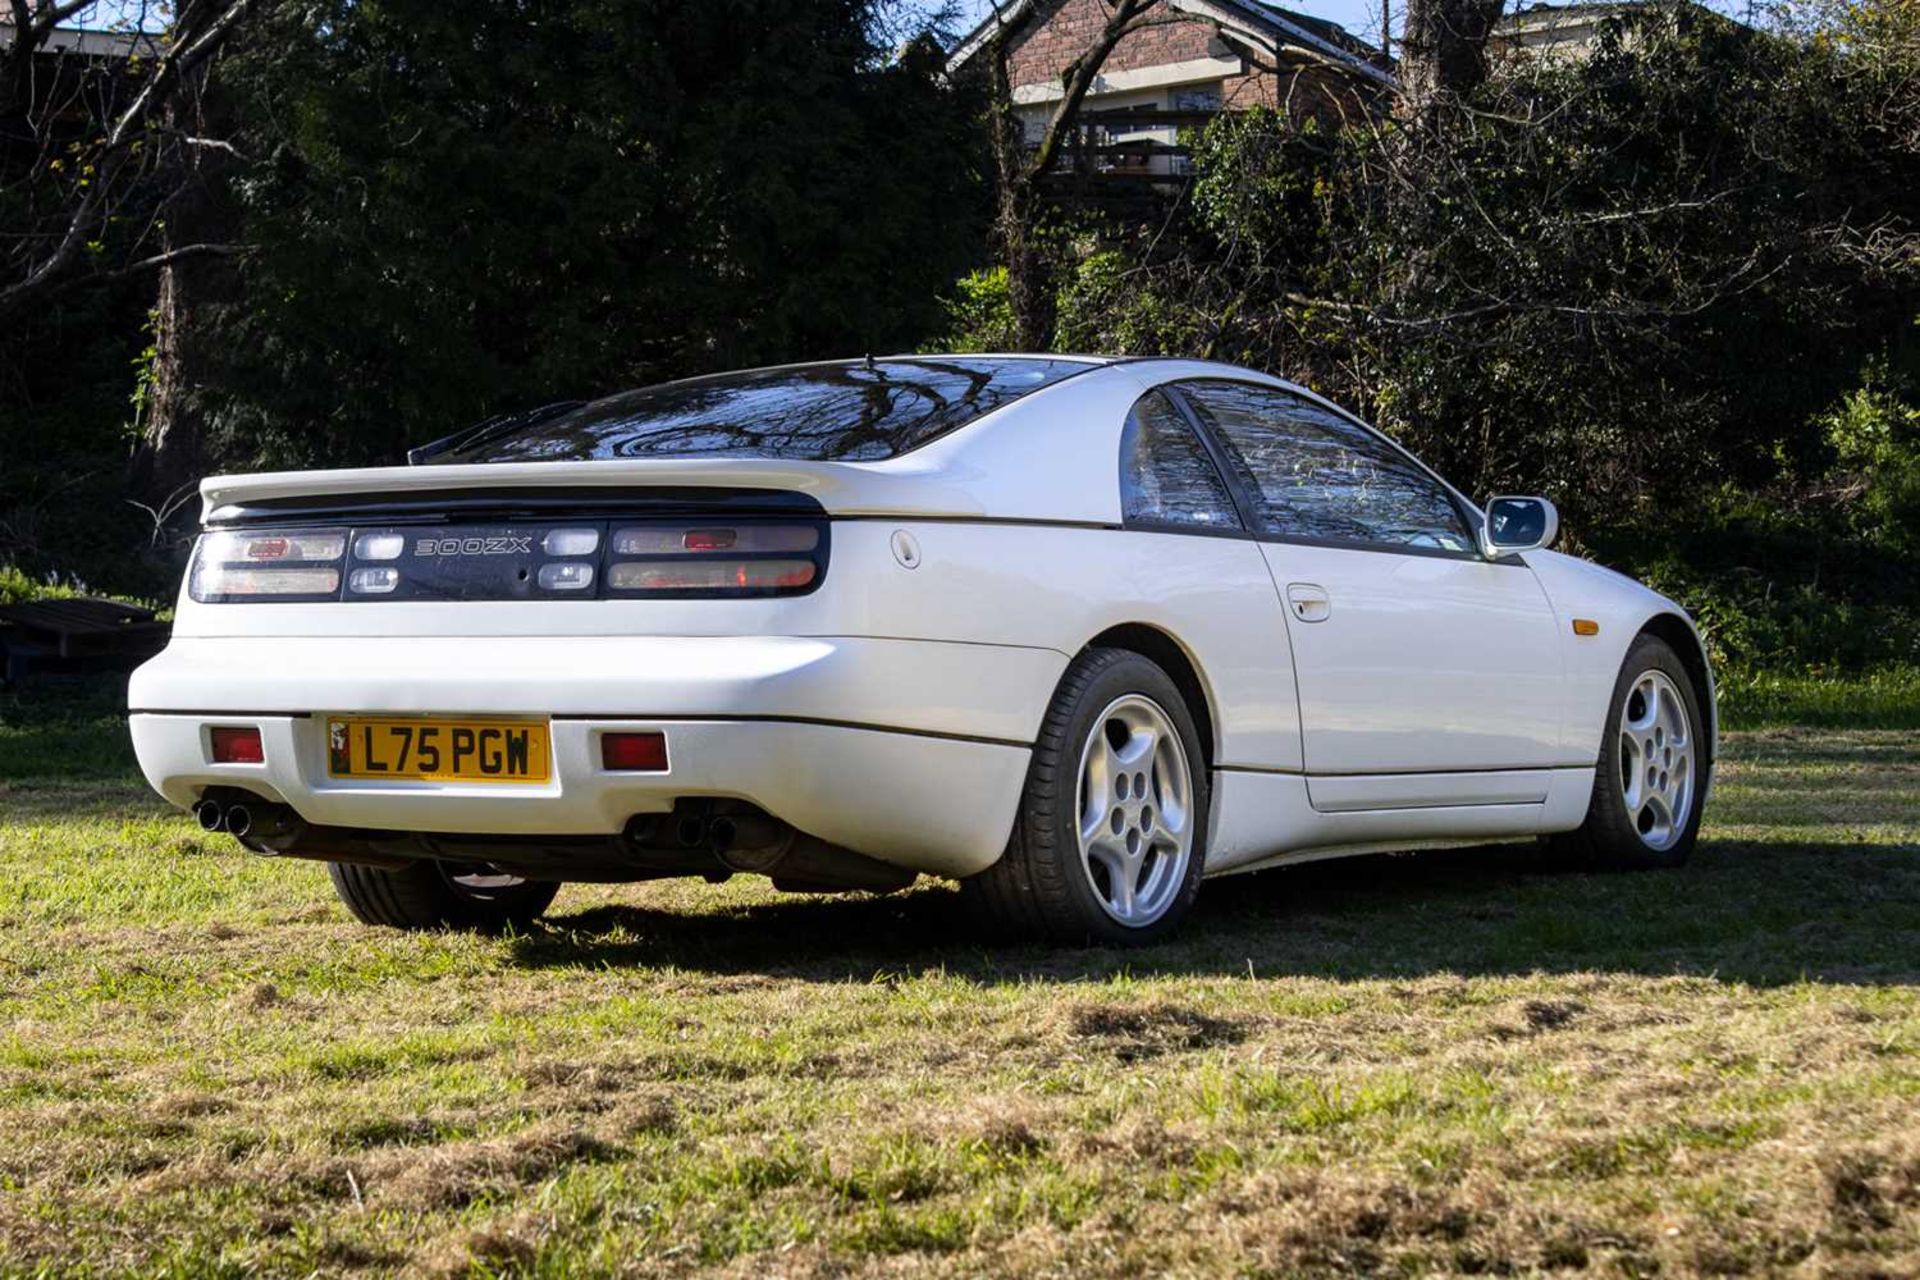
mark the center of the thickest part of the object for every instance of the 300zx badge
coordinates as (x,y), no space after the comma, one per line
(513,546)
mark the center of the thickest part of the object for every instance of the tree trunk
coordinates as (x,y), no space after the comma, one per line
(1029,283)
(1018,173)
(172,453)
(1443,51)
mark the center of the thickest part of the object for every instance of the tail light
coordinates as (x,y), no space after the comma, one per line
(279,565)
(742,559)
(580,559)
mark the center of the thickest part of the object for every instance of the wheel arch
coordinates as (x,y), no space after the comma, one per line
(1680,636)
(1162,648)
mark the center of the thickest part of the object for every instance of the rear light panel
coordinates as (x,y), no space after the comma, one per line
(578,560)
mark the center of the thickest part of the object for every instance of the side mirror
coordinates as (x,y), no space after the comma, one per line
(1518,524)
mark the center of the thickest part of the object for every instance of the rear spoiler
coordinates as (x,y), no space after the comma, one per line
(840,488)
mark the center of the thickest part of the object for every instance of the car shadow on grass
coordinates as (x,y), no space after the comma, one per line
(1766,913)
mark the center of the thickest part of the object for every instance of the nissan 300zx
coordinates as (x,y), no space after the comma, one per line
(1074,632)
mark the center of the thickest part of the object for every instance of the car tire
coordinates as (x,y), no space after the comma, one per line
(1141,789)
(438,895)
(1650,784)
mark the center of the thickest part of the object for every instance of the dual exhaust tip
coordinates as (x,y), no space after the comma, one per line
(723,833)
(242,818)
(740,841)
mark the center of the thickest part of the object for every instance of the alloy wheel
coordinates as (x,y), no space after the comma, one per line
(1656,759)
(1135,813)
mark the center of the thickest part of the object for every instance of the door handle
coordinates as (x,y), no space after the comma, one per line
(1309,603)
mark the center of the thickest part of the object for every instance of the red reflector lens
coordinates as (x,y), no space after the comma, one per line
(236,746)
(634,752)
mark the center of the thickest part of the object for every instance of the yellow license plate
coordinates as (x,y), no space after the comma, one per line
(421,750)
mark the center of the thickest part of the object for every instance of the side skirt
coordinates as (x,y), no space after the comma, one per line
(1267,819)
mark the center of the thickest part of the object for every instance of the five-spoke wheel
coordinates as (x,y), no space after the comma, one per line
(1112,828)
(1136,810)
(1656,759)
(1645,810)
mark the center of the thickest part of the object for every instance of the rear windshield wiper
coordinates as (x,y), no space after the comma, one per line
(492,429)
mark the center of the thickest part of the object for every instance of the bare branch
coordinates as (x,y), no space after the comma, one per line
(176,255)
(198,37)
(1078,80)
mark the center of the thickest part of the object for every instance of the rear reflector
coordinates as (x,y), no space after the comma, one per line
(634,752)
(233,745)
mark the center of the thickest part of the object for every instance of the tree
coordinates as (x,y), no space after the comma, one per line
(1019,168)
(1631,278)
(92,154)
(456,210)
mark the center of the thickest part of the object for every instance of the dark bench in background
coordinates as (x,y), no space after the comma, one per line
(81,634)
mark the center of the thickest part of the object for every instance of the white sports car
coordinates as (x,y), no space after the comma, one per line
(1075,632)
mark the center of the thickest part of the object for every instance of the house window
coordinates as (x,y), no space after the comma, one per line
(1200,97)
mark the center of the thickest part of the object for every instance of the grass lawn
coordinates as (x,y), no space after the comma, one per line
(1445,1063)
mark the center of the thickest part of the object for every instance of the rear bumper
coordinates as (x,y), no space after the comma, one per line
(911,752)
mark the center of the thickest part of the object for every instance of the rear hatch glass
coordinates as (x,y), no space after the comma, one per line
(844,411)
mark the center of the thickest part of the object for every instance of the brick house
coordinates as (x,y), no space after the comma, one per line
(1197,58)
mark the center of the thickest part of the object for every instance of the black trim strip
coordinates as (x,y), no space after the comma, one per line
(1399,773)
(820,721)
(1193,531)
(170,711)
(236,517)
(1037,522)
